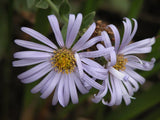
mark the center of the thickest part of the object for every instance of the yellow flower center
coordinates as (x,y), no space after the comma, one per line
(121,63)
(63,60)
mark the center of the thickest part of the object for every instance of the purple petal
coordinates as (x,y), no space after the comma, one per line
(90,43)
(137,51)
(101,47)
(39,37)
(37,75)
(116,73)
(45,86)
(55,27)
(66,90)
(146,66)
(79,84)
(85,37)
(111,57)
(55,97)
(92,82)
(27,62)
(70,26)
(130,35)
(134,83)
(98,53)
(33,46)
(61,91)
(118,91)
(116,36)
(32,54)
(75,29)
(79,65)
(72,88)
(38,87)
(127,32)
(112,92)
(33,70)
(129,88)
(135,75)
(91,63)
(98,73)
(97,98)
(52,86)
(138,45)
(106,39)
(134,31)
(126,96)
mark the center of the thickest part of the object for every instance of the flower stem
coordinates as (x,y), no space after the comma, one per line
(53,6)
(65,19)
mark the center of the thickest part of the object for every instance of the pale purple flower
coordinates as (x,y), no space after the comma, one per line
(122,81)
(62,67)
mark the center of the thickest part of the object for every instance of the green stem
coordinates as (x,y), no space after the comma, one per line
(53,6)
(65,19)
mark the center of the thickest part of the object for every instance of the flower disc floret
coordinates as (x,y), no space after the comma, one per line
(63,60)
(121,62)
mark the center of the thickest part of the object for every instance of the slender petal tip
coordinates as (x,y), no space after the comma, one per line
(51,16)
(24,28)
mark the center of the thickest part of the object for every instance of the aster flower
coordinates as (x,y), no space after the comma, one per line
(62,67)
(122,81)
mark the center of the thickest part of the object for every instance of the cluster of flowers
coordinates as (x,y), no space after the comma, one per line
(68,66)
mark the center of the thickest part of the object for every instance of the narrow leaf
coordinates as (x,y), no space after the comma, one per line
(64,8)
(42,4)
(57,2)
(64,32)
(87,20)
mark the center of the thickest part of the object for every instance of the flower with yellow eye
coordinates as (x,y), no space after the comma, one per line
(122,81)
(64,68)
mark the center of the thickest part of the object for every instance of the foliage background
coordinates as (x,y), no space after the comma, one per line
(16,101)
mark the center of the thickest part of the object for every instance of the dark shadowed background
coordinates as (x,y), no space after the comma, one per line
(16,100)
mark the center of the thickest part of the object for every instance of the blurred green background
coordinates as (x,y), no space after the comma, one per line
(16,101)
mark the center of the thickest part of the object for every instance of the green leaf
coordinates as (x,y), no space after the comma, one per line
(30,3)
(64,31)
(57,2)
(143,102)
(153,115)
(64,8)
(42,4)
(87,20)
